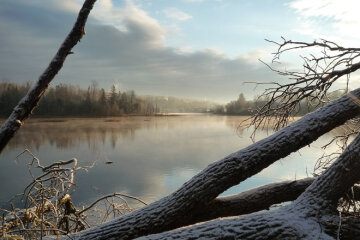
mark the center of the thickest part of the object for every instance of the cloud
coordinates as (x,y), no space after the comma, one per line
(176,14)
(327,8)
(256,55)
(331,19)
(131,52)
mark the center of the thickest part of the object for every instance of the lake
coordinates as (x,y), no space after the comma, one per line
(151,156)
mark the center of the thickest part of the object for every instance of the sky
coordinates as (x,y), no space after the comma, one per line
(203,49)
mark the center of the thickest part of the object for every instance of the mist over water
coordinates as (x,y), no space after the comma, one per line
(151,156)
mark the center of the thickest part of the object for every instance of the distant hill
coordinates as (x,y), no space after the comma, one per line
(165,104)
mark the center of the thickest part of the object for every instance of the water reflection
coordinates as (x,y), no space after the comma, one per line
(152,156)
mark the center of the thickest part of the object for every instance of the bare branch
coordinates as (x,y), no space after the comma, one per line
(109,196)
(26,105)
(48,207)
(176,209)
(312,85)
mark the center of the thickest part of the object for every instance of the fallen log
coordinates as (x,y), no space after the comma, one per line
(176,209)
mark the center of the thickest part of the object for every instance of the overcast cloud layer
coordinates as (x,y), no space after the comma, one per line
(177,51)
(132,55)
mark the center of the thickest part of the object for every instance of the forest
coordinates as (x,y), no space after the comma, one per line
(66,100)
(69,100)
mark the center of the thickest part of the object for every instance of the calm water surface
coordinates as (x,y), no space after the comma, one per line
(152,156)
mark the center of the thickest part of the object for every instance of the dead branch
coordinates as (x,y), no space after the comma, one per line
(176,209)
(308,217)
(26,105)
(48,207)
(110,196)
(311,85)
(252,200)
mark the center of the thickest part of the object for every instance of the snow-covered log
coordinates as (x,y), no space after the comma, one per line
(257,199)
(311,216)
(253,200)
(285,224)
(27,104)
(278,224)
(324,193)
(176,209)
(307,218)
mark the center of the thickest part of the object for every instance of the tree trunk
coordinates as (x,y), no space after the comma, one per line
(307,217)
(257,199)
(27,104)
(312,216)
(278,224)
(285,223)
(253,200)
(179,208)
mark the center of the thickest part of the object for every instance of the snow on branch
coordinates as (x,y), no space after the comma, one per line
(27,104)
(176,209)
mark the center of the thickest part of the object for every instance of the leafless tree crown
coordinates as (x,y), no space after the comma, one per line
(325,63)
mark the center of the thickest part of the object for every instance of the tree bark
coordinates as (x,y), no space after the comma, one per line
(176,209)
(306,218)
(285,223)
(27,104)
(257,199)
(327,189)
(309,217)
(253,200)
(277,224)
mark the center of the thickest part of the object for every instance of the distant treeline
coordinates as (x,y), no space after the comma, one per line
(69,100)
(243,107)
(179,105)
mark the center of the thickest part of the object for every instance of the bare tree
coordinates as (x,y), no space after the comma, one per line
(316,214)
